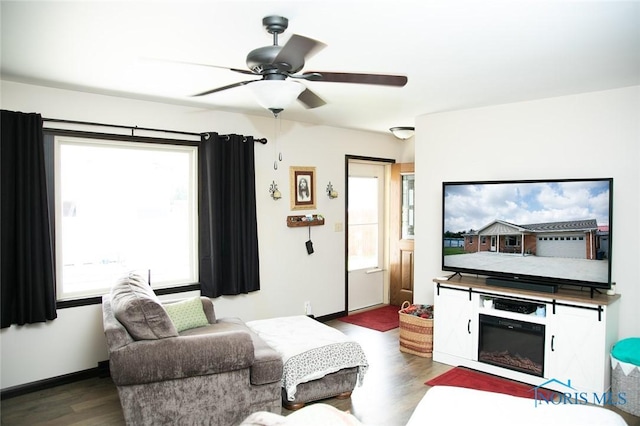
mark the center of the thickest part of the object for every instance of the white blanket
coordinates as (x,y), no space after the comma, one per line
(448,405)
(310,350)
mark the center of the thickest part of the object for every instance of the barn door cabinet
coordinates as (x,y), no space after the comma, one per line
(579,332)
(578,341)
(455,320)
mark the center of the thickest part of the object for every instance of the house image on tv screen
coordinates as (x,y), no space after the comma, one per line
(578,239)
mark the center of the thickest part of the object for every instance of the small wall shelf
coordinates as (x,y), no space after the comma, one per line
(302,220)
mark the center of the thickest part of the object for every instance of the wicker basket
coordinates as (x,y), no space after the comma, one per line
(416,333)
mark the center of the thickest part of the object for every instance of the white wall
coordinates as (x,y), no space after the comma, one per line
(289,276)
(587,135)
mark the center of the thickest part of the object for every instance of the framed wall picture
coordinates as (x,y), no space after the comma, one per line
(302,181)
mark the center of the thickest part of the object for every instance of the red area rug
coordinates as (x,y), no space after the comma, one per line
(381,319)
(471,379)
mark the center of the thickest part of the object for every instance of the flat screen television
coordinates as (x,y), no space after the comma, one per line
(532,234)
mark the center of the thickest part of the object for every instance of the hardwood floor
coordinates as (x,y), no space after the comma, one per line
(87,402)
(393,386)
(394,383)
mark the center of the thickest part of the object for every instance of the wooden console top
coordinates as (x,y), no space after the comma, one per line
(563,294)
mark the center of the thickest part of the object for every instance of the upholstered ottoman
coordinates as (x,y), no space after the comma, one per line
(319,361)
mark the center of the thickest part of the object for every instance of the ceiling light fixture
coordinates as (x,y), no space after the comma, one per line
(276,95)
(402,132)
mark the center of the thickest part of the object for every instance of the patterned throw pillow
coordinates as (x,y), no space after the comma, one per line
(187,314)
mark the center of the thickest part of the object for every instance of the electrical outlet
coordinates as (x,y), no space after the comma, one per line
(307,308)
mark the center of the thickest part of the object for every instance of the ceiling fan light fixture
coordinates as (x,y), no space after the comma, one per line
(275,94)
(403,132)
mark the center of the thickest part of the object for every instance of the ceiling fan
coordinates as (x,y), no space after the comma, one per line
(275,64)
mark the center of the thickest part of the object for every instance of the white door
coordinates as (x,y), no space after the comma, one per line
(366,228)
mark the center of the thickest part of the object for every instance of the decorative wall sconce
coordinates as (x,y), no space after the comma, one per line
(331,192)
(274,191)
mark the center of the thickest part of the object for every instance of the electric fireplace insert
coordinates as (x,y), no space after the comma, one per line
(512,344)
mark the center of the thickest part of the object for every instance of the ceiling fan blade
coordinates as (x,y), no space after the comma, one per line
(220,89)
(310,100)
(379,79)
(307,76)
(298,47)
(224,68)
(205,65)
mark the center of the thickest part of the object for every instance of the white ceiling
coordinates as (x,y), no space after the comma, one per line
(456,54)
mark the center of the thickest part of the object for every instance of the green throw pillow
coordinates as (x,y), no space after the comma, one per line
(187,314)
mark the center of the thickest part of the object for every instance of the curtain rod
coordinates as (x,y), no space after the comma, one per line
(133,128)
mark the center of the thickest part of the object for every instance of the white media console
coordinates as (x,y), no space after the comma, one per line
(576,331)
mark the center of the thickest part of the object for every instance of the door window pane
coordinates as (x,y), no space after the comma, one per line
(363,223)
(408,206)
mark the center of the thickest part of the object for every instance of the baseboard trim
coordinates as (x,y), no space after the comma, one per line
(336,315)
(102,371)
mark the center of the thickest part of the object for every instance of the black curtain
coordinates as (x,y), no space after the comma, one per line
(27,286)
(228,229)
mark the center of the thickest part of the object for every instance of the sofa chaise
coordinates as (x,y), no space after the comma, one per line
(320,362)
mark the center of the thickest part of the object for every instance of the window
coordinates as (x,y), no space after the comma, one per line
(363,223)
(511,241)
(122,206)
(408,206)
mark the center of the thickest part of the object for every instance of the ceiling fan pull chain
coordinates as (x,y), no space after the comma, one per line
(275,145)
(279,124)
